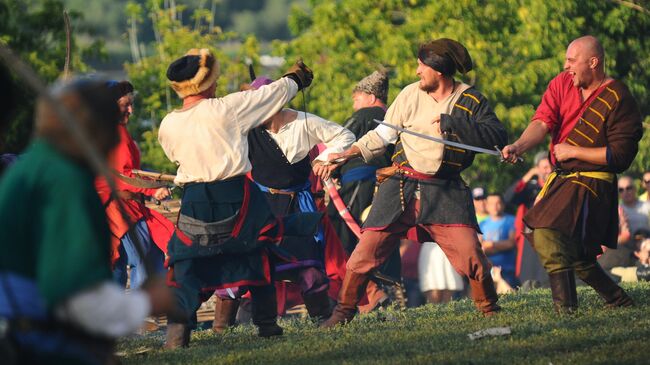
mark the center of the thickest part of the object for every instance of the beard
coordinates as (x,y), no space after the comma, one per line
(430,87)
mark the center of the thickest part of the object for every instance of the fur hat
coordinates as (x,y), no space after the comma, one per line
(193,73)
(375,84)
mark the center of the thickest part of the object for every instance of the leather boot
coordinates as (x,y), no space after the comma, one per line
(354,286)
(563,291)
(318,304)
(264,308)
(376,298)
(613,294)
(485,295)
(178,335)
(225,312)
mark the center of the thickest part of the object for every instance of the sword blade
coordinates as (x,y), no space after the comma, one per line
(440,140)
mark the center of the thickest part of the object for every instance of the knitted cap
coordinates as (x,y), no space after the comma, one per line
(375,84)
(194,72)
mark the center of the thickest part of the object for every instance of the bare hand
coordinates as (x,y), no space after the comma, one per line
(323,170)
(510,153)
(160,295)
(161,193)
(563,152)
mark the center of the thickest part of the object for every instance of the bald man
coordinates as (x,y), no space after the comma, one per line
(595,127)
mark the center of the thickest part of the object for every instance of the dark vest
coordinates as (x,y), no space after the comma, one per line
(270,166)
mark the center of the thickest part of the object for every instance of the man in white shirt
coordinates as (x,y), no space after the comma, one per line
(219,242)
(426,193)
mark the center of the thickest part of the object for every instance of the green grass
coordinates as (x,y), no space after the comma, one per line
(434,334)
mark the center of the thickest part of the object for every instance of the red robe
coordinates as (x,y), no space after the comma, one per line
(124,158)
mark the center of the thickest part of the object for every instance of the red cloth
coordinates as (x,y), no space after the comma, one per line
(335,256)
(124,158)
(410,259)
(561,107)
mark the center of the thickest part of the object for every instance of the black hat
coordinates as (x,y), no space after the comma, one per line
(194,72)
(445,56)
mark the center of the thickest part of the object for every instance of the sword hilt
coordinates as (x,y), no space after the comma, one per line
(519,158)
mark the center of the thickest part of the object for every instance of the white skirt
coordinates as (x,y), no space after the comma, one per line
(435,270)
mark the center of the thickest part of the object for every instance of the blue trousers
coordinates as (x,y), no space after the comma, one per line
(129,256)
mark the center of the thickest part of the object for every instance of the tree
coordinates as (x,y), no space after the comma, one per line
(36,32)
(517,47)
(173,39)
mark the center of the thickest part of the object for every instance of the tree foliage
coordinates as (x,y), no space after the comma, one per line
(36,32)
(173,39)
(517,48)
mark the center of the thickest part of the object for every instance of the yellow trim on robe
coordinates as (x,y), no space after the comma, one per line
(462,107)
(572,142)
(472,96)
(614,92)
(452,163)
(600,115)
(589,124)
(606,103)
(584,135)
(455,149)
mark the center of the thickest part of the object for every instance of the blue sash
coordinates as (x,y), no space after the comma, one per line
(306,204)
(361,173)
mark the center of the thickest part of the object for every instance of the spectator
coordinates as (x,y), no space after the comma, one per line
(439,281)
(522,196)
(642,253)
(637,217)
(646,186)
(478,196)
(410,252)
(498,239)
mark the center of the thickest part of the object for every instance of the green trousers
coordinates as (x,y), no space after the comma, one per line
(559,252)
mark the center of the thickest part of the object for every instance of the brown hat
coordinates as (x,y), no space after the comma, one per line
(193,73)
(375,84)
(445,56)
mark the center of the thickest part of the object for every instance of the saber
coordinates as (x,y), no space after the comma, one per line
(494,152)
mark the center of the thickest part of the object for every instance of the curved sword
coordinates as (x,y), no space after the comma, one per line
(495,152)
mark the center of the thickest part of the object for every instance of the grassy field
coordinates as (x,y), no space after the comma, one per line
(434,335)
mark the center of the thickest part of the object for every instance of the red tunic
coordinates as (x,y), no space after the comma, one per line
(124,158)
(562,106)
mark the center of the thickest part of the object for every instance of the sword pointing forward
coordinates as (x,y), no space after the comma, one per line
(494,152)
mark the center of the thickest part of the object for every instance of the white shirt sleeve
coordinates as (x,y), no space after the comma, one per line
(252,107)
(334,136)
(106,310)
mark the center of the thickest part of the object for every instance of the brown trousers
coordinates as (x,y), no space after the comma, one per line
(459,243)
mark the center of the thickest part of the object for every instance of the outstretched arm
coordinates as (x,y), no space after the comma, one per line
(532,136)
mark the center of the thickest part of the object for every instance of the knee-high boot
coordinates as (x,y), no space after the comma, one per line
(225,312)
(613,294)
(354,286)
(485,295)
(318,304)
(264,308)
(563,291)
(178,335)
